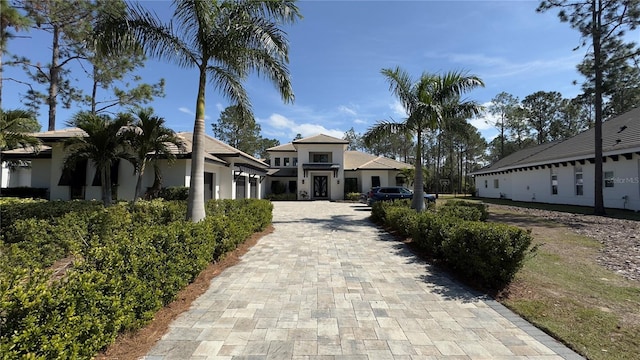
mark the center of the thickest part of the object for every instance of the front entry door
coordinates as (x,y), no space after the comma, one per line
(320,187)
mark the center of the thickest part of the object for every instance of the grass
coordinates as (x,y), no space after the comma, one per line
(615,213)
(565,292)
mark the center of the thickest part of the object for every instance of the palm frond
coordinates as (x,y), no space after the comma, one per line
(383,129)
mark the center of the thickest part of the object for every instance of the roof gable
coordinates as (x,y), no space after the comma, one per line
(320,139)
(354,160)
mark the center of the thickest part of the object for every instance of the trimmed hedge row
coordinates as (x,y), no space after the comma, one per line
(128,263)
(488,253)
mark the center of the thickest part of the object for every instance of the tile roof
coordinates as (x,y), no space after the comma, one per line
(284,147)
(354,160)
(219,149)
(320,139)
(59,134)
(620,135)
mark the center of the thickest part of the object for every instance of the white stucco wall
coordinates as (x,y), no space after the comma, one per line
(535,185)
(19,177)
(40,173)
(57,159)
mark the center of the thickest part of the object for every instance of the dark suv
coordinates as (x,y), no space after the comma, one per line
(388,193)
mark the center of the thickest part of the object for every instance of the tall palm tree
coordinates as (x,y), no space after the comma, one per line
(428,102)
(225,40)
(15,126)
(149,139)
(104,145)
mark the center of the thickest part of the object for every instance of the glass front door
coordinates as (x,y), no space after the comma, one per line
(320,187)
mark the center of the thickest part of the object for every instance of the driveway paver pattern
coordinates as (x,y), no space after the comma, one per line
(328,284)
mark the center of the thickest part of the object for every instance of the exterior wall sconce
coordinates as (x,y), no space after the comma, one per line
(303,181)
(338,181)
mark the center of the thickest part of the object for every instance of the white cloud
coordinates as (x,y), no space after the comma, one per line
(189,112)
(504,67)
(360,121)
(283,127)
(398,109)
(347,110)
(279,122)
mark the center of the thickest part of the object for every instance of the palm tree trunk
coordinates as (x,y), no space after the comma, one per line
(195,204)
(437,184)
(139,182)
(598,208)
(105,177)
(54,74)
(418,191)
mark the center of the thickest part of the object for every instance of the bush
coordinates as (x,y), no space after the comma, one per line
(352,196)
(465,210)
(488,253)
(122,274)
(174,193)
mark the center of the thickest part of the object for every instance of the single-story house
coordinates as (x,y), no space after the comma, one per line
(229,172)
(321,167)
(562,172)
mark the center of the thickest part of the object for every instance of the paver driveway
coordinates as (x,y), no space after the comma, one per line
(328,284)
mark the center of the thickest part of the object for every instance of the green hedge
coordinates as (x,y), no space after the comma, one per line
(466,210)
(129,262)
(490,254)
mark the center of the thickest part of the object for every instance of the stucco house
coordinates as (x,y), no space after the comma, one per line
(321,167)
(562,172)
(229,172)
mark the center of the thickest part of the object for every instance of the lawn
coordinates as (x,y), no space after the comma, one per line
(565,292)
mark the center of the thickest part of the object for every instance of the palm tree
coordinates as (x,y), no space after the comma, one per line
(225,40)
(149,139)
(104,145)
(15,126)
(429,103)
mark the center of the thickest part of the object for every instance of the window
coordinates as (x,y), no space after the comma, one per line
(486,184)
(579,181)
(496,183)
(295,161)
(320,158)
(293,186)
(286,161)
(554,182)
(277,162)
(350,185)
(375,181)
(608,179)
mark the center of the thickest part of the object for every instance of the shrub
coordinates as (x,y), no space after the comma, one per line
(174,193)
(123,273)
(466,210)
(401,218)
(352,196)
(489,253)
(486,252)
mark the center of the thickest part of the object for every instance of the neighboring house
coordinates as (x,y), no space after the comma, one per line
(563,172)
(320,167)
(229,172)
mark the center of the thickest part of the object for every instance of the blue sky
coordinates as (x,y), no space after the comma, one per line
(339,48)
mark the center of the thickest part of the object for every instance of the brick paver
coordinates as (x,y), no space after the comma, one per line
(328,284)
